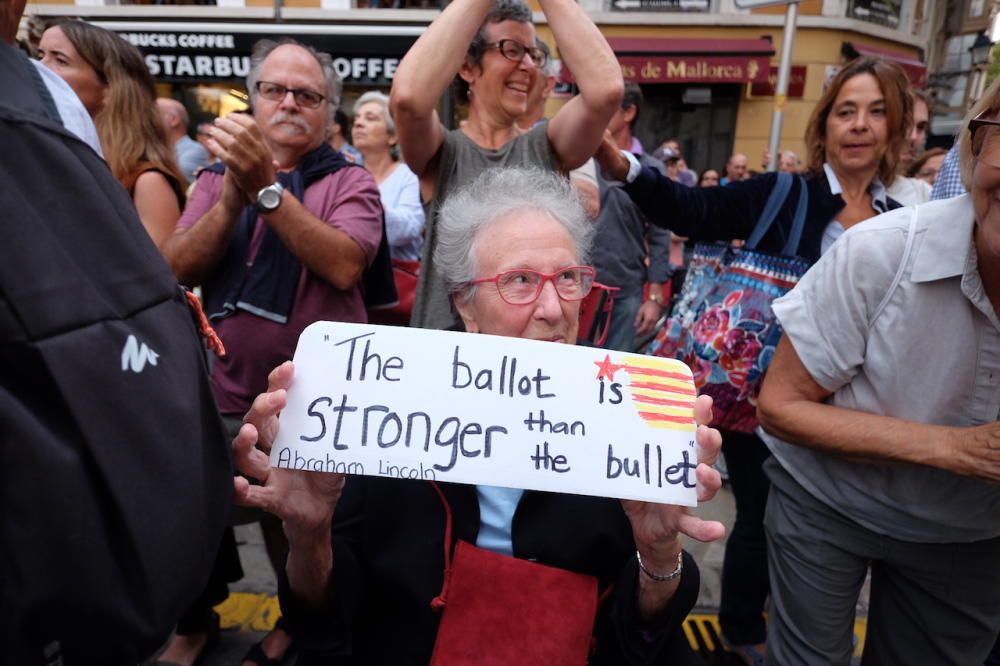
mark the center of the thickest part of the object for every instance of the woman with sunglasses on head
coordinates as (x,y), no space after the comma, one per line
(110,77)
(366,554)
(491,48)
(881,408)
(854,139)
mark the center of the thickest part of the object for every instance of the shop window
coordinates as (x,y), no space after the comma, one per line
(882,12)
(702,118)
(957,57)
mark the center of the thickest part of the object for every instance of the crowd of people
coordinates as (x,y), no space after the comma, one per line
(872,453)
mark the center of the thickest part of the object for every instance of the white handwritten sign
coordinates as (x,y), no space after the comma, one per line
(481,409)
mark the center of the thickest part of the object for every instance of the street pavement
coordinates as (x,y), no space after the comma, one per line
(252,607)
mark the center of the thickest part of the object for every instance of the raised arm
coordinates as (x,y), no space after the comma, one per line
(576,130)
(699,213)
(424,75)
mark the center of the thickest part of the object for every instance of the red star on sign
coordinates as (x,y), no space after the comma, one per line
(607,369)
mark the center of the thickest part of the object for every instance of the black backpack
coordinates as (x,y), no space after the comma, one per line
(115,477)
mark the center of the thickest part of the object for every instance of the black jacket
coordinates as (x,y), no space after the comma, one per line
(388,565)
(730,212)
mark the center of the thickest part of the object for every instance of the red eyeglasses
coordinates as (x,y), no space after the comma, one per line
(522,286)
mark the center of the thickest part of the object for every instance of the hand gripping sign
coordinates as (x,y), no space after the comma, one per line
(480,409)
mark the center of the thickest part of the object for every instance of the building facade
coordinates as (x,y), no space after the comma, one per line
(707,67)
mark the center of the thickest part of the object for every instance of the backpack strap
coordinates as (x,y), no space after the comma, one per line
(775,201)
(907,249)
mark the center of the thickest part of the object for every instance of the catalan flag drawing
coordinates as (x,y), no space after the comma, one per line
(662,392)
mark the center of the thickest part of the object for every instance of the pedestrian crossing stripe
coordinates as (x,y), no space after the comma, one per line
(705,636)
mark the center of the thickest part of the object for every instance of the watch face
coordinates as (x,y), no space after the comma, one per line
(269,198)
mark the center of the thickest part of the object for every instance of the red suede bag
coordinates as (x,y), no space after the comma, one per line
(500,610)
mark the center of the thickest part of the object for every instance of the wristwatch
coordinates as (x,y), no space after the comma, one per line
(656,298)
(269,198)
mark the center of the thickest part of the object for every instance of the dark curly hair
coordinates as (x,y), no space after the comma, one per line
(503,10)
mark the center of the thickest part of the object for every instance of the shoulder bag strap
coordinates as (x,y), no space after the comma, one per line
(440,601)
(775,201)
(798,221)
(907,249)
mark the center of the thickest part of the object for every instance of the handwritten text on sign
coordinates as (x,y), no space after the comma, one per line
(480,409)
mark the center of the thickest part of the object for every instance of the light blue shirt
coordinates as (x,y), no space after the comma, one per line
(949,180)
(404,214)
(71,110)
(496,515)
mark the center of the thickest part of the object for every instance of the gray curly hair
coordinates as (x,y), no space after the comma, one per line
(492,196)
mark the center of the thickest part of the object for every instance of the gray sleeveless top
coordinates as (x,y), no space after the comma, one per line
(461,161)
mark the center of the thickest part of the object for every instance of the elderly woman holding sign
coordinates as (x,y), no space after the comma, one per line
(371,574)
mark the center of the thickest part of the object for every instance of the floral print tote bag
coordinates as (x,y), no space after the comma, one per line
(722,325)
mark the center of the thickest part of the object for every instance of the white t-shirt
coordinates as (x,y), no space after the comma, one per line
(910,191)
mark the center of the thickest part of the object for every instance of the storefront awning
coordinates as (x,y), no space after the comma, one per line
(915,70)
(647,60)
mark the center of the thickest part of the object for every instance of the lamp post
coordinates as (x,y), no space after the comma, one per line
(784,70)
(980,50)
(979,54)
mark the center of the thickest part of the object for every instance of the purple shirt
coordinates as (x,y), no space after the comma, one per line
(347,200)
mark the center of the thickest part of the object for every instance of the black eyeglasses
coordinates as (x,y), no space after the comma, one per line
(522,286)
(275,92)
(514,51)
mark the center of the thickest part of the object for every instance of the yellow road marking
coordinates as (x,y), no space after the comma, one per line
(249,612)
(698,621)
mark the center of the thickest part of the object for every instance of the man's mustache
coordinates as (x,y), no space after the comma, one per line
(291,118)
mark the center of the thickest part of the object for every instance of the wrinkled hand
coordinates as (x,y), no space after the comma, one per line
(304,500)
(611,161)
(976,452)
(649,313)
(656,527)
(239,143)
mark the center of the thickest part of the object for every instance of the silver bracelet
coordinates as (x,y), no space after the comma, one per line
(666,577)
